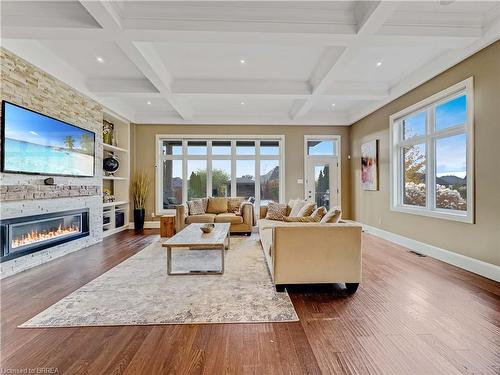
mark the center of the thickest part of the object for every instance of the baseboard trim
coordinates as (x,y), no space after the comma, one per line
(147,225)
(476,266)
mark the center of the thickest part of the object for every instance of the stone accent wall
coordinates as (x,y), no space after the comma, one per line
(25,192)
(24,84)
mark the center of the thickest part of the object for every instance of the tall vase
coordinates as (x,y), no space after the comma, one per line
(139,216)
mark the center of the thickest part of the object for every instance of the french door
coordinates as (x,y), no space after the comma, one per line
(322,181)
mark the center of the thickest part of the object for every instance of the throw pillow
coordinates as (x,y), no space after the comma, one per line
(196,207)
(297,205)
(234,205)
(217,205)
(332,216)
(307,209)
(205,203)
(276,211)
(319,213)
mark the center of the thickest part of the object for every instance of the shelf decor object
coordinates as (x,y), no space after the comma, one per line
(107,132)
(111,164)
(140,188)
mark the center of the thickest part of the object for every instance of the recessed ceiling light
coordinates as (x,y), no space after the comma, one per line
(333,104)
(379,63)
(148,103)
(243,61)
(99,59)
(242,103)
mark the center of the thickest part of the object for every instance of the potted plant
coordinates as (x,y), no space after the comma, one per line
(140,188)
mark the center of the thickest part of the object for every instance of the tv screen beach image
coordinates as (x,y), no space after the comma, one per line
(38,144)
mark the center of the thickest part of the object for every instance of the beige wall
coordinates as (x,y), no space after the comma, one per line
(480,240)
(143,151)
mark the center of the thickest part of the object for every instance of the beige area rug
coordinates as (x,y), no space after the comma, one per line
(138,291)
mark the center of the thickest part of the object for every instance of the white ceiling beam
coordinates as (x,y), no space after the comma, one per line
(370,19)
(375,16)
(266,119)
(143,57)
(123,87)
(104,13)
(450,39)
(433,31)
(347,90)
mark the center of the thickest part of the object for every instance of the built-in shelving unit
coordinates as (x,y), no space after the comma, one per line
(116,214)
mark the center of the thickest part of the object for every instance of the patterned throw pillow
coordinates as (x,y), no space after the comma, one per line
(196,207)
(332,216)
(319,213)
(306,210)
(276,211)
(234,205)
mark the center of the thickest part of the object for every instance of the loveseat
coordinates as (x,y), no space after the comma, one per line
(311,252)
(241,219)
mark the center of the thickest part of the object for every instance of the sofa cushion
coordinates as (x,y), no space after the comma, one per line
(332,216)
(234,205)
(196,207)
(297,205)
(299,219)
(228,217)
(319,213)
(217,205)
(203,218)
(306,210)
(276,211)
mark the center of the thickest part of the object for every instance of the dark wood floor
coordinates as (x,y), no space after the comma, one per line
(411,315)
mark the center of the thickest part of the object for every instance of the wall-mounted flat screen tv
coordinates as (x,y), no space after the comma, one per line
(33,143)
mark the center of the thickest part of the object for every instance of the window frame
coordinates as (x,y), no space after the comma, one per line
(209,157)
(429,105)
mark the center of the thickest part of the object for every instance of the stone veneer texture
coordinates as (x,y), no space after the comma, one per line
(24,84)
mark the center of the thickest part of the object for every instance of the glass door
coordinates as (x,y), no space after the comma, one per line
(321,182)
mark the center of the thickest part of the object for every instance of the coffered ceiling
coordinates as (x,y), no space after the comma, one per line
(247,62)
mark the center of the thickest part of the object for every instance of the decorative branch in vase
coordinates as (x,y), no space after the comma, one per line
(140,189)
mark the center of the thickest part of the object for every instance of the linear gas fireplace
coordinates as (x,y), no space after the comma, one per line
(25,235)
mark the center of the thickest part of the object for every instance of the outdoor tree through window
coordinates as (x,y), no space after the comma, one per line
(432,156)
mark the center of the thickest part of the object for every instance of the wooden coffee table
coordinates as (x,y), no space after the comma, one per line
(192,238)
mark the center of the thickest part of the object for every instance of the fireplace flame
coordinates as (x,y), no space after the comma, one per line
(38,236)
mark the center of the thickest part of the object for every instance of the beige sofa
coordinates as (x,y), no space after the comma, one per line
(240,223)
(311,253)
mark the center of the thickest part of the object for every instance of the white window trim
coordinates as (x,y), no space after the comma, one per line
(396,180)
(338,156)
(209,158)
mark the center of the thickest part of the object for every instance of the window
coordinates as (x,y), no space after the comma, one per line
(269,181)
(432,156)
(218,167)
(321,148)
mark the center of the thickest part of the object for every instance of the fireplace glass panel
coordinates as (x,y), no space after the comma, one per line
(28,234)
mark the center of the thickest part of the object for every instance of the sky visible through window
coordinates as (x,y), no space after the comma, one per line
(451,151)
(321,148)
